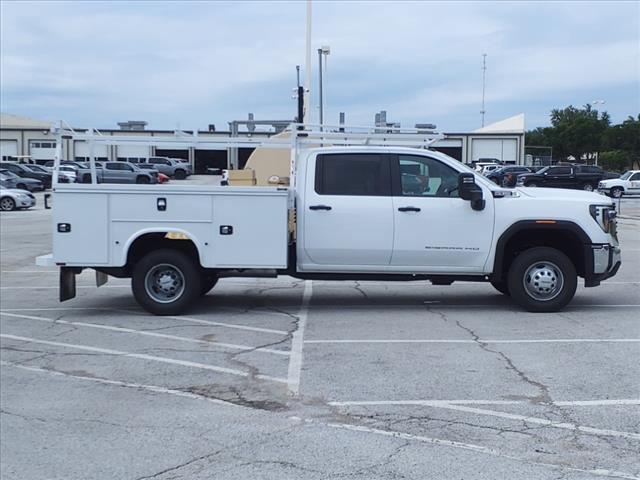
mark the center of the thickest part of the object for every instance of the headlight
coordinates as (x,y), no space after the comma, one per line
(605,216)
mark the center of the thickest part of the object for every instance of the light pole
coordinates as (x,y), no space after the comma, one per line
(324,50)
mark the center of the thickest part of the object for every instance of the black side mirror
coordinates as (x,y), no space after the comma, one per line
(468,190)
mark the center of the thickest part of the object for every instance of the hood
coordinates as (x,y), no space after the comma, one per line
(610,181)
(17,191)
(563,194)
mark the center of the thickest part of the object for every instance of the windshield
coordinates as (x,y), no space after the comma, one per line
(9,174)
(626,175)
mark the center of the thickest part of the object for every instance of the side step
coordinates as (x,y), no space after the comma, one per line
(249,273)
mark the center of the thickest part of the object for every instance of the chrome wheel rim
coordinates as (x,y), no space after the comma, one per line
(6,204)
(543,281)
(616,192)
(164,283)
(588,187)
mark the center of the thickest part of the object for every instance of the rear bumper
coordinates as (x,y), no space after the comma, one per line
(603,261)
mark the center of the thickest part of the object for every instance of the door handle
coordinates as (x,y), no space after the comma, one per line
(319,207)
(408,209)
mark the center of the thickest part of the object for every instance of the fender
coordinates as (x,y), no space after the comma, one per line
(127,246)
(557,225)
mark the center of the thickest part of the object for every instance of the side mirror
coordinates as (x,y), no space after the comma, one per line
(468,190)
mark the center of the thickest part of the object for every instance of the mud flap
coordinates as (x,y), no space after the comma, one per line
(101,278)
(67,283)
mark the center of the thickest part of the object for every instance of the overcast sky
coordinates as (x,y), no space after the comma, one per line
(194,63)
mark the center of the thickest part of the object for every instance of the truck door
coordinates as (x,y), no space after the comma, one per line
(435,230)
(634,183)
(560,177)
(348,216)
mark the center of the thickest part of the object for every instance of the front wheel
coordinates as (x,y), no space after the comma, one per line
(616,192)
(587,187)
(7,204)
(166,282)
(142,180)
(531,184)
(180,174)
(542,279)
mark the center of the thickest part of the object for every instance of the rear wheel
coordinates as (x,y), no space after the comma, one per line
(542,279)
(166,282)
(180,174)
(7,204)
(616,192)
(587,187)
(142,179)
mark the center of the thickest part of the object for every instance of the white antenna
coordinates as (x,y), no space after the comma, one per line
(484,79)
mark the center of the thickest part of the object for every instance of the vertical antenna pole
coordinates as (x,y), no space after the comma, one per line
(307,72)
(484,79)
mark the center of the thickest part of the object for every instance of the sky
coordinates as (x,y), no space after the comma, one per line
(190,64)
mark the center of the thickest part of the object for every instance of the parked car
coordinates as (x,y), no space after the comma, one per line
(24,171)
(67,174)
(171,167)
(489,168)
(627,184)
(13,199)
(124,172)
(11,180)
(582,177)
(149,168)
(506,176)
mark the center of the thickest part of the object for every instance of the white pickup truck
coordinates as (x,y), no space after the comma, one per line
(363,212)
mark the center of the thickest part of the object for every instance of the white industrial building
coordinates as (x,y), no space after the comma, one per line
(22,138)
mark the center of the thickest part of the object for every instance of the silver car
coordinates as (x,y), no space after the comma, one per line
(171,167)
(13,199)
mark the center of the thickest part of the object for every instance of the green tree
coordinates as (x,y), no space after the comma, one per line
(614,160)
(577,131)
(625,137)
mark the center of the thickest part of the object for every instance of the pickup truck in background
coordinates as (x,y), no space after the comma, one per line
(627,184)
(352,212)
(118,172)
(171,167)
(581,177)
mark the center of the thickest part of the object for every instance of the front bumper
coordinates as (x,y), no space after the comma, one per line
(603,261)
(25,202)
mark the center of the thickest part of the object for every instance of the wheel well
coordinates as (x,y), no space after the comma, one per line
(566,241)
(154,241)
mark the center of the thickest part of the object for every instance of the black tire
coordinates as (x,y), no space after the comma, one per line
(502,287)
(496,180)
(587,187)
(180,174)
(541,272)
(207,284)
(7,204)
(143,180)
(148,282)
(616,192)
(22,186)
(531,184)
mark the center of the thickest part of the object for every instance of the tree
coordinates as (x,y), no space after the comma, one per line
(615,160)
(625,137)
(576,131)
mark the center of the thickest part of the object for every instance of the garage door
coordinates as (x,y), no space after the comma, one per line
(133,151)
(81,151)
(505,149)
(8,148)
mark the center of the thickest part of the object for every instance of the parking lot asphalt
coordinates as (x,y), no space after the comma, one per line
(288,379)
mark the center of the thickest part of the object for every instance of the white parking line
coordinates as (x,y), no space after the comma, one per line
(493,413)
(230,325)
(551,340)
(142,356)
(569,403)
(137,386)
(150,334)
(600,472)
(297,341)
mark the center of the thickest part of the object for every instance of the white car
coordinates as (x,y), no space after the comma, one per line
(14,198)
(490,168)
(627,184)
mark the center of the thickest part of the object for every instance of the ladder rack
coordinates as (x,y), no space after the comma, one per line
(300,136)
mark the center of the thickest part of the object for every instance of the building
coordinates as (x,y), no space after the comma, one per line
(31,140)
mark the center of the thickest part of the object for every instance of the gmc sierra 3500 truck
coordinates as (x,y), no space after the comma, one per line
(361,209)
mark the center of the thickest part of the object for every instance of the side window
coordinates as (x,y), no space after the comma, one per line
(426,177)
(635,177)
(559,171)
(363,174)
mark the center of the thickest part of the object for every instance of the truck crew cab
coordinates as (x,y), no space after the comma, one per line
(361,209)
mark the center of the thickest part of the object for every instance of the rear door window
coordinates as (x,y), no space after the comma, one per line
(361,174)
